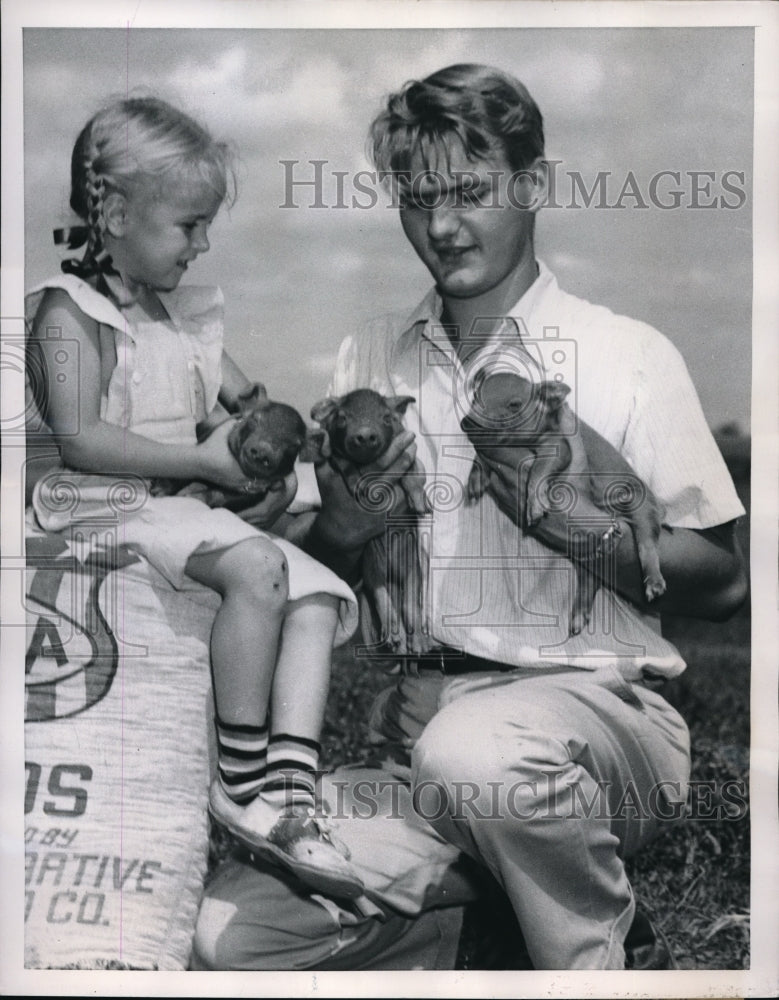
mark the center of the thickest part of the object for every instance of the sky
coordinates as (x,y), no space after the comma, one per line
(623,103)
(627,101)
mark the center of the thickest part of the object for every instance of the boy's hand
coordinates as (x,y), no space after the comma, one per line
(568,497)
(355,502)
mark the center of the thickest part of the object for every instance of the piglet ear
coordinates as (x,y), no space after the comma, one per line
(324,409)
(399,403)
(316,447)
(253,398)
(553,393)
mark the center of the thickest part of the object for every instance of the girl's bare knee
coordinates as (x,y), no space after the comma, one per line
(258,571)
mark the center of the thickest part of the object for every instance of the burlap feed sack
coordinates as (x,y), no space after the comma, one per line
(117,752)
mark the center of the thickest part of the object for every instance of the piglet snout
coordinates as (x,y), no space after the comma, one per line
(259,453)
(364,443)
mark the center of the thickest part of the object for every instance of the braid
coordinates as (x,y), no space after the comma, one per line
(128,142)
(97,261)
(95,191)
(89,188)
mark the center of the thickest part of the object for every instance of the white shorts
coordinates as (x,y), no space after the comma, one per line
(168,530)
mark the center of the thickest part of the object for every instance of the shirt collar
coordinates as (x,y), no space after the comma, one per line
(430,308)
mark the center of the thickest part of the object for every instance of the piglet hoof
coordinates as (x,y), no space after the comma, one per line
(578,620)
(654,586)
(419,503)
(477,484)
(535,510)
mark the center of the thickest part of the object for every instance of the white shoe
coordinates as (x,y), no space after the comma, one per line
(294,836)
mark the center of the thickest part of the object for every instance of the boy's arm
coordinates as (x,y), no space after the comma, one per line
(703,568)
(74,402)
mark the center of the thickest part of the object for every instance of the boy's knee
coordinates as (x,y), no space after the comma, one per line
(211,942)
(225,941)
(443,754)
(505,756)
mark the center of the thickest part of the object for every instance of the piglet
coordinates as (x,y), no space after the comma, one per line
(357,428)
(360,427)
(518,422)
(265,441)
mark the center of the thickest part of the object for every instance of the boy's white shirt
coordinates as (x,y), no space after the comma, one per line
(631,385)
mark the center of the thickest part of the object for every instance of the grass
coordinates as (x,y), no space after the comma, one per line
(693,880)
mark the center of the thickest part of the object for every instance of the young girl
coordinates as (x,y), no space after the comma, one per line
(139,362)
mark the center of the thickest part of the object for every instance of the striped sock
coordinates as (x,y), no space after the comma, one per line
(242,759)
(291,774)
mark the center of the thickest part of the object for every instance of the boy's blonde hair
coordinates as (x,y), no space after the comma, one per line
(485,109)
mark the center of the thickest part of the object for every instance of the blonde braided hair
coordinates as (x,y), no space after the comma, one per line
(94,187)
(128,142)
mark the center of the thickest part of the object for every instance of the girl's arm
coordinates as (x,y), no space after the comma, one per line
(232,385)
(73,409)
(234,382)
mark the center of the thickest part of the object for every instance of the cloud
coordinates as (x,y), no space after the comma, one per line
(263,95)
(213,80)
(612,100)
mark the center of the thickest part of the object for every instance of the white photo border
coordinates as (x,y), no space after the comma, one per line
(761,979)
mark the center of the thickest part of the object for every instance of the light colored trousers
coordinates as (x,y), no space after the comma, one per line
(549,779)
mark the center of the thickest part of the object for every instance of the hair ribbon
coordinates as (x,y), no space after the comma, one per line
(73,236)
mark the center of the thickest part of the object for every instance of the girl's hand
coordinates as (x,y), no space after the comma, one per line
(216,462)
(265,513)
